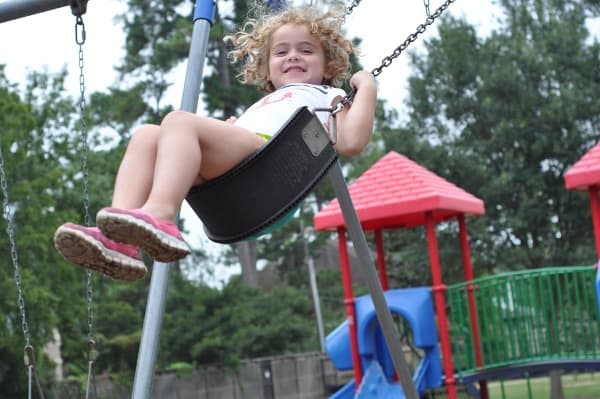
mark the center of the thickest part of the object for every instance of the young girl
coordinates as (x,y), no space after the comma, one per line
(298,57)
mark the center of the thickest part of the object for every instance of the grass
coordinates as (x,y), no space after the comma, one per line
(576,386)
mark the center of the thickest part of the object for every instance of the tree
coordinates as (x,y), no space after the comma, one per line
(37,148)
(504,117)
(233,323)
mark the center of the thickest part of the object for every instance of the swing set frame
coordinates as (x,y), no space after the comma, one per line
(302,131)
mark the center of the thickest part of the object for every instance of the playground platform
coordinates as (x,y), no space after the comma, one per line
(525,323)
(505,326)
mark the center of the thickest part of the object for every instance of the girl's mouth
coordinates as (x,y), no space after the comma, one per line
(294,69)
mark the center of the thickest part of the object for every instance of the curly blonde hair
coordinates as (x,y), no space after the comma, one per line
(252,43)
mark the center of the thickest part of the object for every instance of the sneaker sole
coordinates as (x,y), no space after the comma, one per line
(131,230)
(84,251)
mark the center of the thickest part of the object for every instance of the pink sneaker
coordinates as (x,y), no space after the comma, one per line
(87,247)
(158,238)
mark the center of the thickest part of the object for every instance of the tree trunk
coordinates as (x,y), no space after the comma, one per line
(247,254)
(246,249)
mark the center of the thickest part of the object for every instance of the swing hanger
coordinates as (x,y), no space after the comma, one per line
(78,7)
(333,111)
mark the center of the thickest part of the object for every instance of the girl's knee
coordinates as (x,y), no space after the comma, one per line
(175,117)
(145,136)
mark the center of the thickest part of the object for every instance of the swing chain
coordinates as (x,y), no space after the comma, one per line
(387,61)
(28,353)
(80,37)
(412,37)
(80,40)
(350,8)
(427,9)
(10,229)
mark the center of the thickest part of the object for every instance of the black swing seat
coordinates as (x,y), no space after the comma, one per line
(268,184)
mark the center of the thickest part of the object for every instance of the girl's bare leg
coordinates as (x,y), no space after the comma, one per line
(89,248)
(134,178)
(193,149)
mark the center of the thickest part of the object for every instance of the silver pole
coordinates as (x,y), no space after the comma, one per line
(13,9)
(384,316)
(315,294)
(148,350)
(314,289)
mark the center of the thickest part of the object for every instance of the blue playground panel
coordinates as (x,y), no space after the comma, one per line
(416,307)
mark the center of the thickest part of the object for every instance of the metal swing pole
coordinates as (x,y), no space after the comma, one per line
(384,316)
(148,350)
(14,9)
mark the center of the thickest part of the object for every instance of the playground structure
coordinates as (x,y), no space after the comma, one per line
(506,326)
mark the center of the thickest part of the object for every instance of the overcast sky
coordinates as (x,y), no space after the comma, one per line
(48,40)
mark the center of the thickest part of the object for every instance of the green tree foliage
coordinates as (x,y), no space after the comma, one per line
(224,326)
(35,147)
(504,117)
(42,149)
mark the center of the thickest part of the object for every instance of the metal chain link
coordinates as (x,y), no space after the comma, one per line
(80,40)
(427,9)
(10,229)
(412,37)
(80,37)
(349,10)
(398,50)
(28,351)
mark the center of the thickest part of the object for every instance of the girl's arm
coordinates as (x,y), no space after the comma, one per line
(355,121)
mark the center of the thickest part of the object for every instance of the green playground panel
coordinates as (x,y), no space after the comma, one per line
(548,314)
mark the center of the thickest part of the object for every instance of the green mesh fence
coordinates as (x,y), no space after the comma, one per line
(534,315)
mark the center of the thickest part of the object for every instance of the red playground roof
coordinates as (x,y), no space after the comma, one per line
(397,192)
(585,172)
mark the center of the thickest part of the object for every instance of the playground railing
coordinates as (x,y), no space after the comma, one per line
(538,315)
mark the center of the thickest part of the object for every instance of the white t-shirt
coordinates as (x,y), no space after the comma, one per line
(270,113)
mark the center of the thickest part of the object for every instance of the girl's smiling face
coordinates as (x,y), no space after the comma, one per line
(296,56)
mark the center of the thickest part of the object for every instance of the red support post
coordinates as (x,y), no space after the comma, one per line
(438,289)
(595,205)
(468,273)
(381,267)
(349,303)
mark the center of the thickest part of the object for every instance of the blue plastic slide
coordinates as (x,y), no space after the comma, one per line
(416,307)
